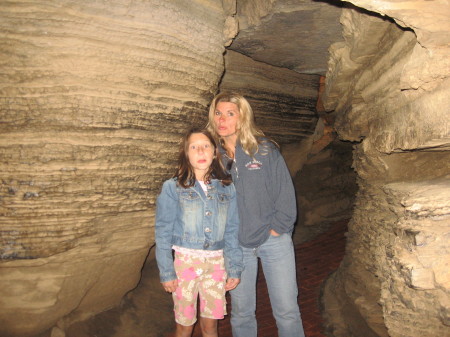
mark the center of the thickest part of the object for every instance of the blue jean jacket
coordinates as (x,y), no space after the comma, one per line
(188,218)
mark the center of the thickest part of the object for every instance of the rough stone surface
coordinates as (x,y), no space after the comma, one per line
(145,311)
(284,101)
(325,182)
(289,34)
(94,98)
(381,63)
(388,84)
(326,186)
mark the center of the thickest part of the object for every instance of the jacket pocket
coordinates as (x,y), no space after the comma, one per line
(191,208)
(223,203)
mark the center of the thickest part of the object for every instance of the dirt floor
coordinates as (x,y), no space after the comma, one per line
(146,311)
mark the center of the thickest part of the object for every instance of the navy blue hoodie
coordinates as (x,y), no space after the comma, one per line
(265,193)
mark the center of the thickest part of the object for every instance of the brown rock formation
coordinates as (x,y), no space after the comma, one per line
(95,96)
(388,85)
(326,186)
(289,34)
(283,100)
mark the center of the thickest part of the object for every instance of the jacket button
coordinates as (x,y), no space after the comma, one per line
(208,213)
(210,197)
(206,245)
(207,230)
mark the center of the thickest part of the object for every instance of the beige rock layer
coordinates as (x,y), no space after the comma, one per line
(289,34)
(388,85)
(283,101)
(94,98)
(391,86)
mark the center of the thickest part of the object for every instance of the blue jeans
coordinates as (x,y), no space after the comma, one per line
(278,263)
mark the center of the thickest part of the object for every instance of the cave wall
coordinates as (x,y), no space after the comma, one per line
(94,98)
(326,186)
(290,34)
(285,107)
(388,84)
(284,101)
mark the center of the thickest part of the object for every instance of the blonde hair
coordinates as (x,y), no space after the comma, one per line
(247,132)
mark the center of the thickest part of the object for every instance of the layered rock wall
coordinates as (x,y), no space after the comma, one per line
(326,186)
(283,100)
(389,86)
(94,98)
(289,34)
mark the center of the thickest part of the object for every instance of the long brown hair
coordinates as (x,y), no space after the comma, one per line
(185,172)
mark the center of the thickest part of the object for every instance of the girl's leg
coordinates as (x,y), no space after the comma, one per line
(208,326)
(184,330)
(212,294)
(185,297)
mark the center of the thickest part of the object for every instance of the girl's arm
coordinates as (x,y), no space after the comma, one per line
(170,286)
(166,214)
(232,251)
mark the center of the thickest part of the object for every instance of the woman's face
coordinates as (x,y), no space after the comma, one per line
(200,153)
(226,119)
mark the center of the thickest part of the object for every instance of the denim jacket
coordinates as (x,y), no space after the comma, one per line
(188,218)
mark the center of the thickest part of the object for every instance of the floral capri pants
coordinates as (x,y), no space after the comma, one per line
(204,276)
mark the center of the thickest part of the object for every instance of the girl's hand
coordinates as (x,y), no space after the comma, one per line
(170,286)
(231,283)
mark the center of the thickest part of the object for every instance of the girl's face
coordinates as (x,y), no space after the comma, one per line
(226,119)
(200,153)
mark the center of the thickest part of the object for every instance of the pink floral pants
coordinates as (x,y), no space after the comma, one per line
(204,276)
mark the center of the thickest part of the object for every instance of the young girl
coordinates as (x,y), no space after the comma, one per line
(197,217)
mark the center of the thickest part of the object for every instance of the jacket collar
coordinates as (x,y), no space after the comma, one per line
(212,187)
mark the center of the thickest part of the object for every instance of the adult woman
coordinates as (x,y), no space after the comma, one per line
(267,212)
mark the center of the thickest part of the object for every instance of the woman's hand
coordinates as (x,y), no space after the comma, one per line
(273,233)
(170,286)
(231,283)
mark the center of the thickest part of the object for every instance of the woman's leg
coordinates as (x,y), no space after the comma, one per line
(243,298)
(208,326)
(184,330)
(278,263)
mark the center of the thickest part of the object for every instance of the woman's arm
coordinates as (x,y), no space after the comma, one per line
(283,195)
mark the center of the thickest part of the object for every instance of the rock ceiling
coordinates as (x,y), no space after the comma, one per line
(290,34)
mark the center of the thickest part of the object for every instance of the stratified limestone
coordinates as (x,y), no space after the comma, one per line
(326,186)
(283,101)
(389,87)
(94,99)
(291,34)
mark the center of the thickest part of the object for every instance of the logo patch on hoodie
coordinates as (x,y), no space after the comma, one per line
(253,165)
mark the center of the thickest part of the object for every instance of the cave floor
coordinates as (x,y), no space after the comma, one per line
(147,310)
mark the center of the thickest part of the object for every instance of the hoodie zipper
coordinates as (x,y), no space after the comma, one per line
(233,164)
